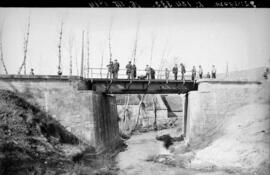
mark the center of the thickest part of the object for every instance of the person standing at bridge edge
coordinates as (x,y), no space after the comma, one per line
(167,75)
(193,73)
(175,71)
(183,71)
(110,70)
(153,73)
(200,72)
(148,72)
(32,72)
(133,71)
(128,69)
(116,66)
(213,72)
(208,75)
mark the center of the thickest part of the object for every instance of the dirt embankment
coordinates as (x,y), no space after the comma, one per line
(244,139)
(240,145)
(31,141)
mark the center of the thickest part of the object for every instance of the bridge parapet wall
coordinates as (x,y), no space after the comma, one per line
(90,116)
(212,103)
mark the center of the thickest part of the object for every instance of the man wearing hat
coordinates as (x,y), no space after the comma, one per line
(110,70)
(116,66)
(183,71)
(213,71)
(32,72)
(128,69)
(148,72)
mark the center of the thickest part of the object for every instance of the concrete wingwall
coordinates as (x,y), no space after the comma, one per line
(211,104)
(90,116)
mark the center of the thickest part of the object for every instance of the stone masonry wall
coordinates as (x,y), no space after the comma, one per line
(89,116)
(211,104)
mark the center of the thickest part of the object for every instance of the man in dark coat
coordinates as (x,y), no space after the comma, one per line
(183,70)
(193,73)
(110,70)
(175,71)
(116,66)
(152,73)
(128,69)
(133,71)
(213,72)
(200,72)
(148,72)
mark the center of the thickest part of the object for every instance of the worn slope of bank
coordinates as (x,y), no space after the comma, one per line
(30,140)
(244,144)
(241,142)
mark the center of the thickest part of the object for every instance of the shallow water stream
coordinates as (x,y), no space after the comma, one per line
(133,160)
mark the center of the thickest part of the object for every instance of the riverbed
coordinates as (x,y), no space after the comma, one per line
(132,161)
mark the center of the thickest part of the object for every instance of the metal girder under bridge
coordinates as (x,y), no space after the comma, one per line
(125,86)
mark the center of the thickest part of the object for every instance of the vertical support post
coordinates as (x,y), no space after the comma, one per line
(185,127)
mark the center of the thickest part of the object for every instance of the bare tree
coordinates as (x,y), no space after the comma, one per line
(1,48)
(139,112)
(154,99)
(59,47)
(82,58)
(102,59)
(153,39)
(164,57)
(134,53)
(110,46)
(88,53)
(76,61)
(126,106)
(25,47)
(70,51)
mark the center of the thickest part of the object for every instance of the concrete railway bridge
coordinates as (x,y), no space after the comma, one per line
(87,107)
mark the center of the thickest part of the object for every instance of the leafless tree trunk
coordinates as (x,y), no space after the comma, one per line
(2,57)
(59,47)
(126,107)
(1,48)
(155,111)
(76,62)
(135,44)
(110,46)
(139,112)
(152,48)
(88,53)
(25,47)
(102,59)
(82,54)
(164,58)
(70,49)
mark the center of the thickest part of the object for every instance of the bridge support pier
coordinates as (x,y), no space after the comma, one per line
(185,113)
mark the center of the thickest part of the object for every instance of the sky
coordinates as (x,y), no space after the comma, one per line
(239,37)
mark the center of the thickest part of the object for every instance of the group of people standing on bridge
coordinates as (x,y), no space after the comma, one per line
(131,71)
(113,69)
(193,72)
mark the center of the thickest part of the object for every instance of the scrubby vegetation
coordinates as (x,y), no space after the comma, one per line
(32,142)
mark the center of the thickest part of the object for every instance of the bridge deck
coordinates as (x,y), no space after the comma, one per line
(113,86)
(125,86)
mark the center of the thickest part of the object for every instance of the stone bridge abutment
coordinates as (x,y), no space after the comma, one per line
(90,116)
(207,109)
